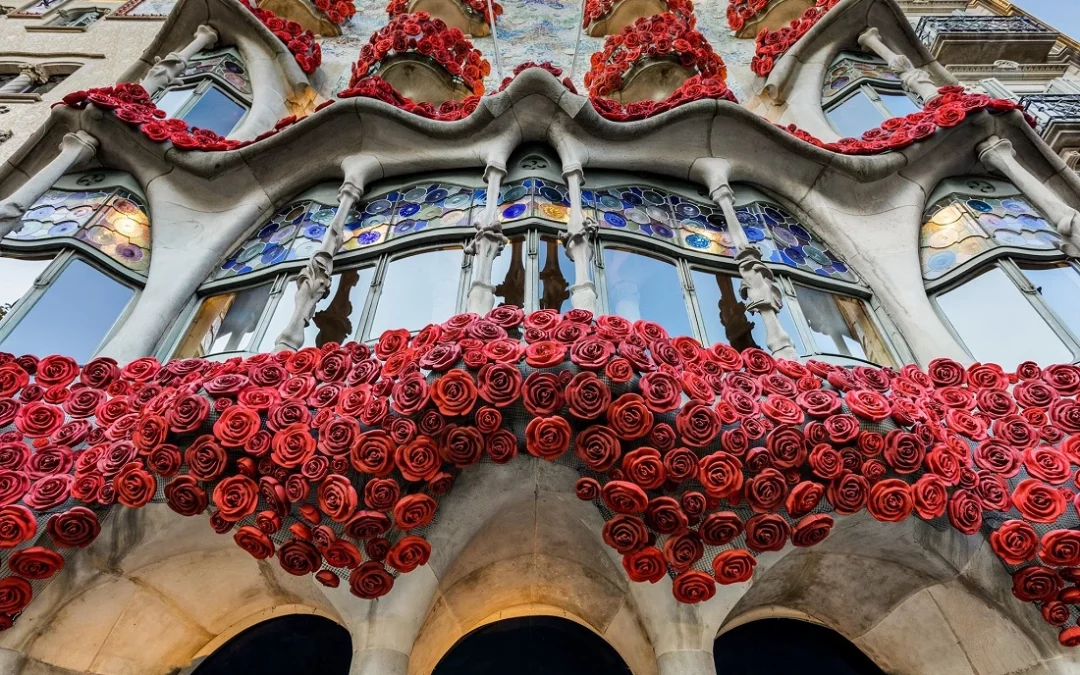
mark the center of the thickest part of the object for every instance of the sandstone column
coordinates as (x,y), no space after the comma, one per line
(166,72)
(915,80)
(75,148)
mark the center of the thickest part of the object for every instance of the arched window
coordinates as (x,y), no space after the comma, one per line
(82,250)
(296,643)
(769,646)
(861,91)
(992,265)
(215,94)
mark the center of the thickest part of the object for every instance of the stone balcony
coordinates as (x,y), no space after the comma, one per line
(986,39)
(1058,119)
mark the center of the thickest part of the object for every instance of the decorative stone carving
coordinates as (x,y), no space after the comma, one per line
(30,74)
(652,79)
(486,245)
(75,148)
(417,78)
(166,71)
(577,240)
(915,80)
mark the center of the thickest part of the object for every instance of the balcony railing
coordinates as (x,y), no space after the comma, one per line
(1049,109)
(931,26)
(986,39)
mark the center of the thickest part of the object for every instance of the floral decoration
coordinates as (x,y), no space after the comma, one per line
(301,43)
(420,34)
(544,65)
(337,11)
(741,11)
(694,89)
(596,9)
(771,45)
(660,35)
(332,460)
(478,7)
(378,88)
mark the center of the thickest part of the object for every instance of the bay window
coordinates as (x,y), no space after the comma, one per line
(214,94)
(860,92)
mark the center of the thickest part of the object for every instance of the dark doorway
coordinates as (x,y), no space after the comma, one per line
(771,646)
(297,643)
(532,645)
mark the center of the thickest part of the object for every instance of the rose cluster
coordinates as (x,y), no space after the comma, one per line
(596,9)
(332,459)
(301,43)
(771,45)
(660,35)
(695,88)
(941,112)
(477,7)
(741,11)
(377,88)
(543,65)
(420,34)
(338,11)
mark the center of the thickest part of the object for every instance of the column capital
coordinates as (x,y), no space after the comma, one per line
(36,73)
(995,151)
(79,142)
(868,35)
(207,33)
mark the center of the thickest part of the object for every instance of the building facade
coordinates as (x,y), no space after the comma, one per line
(447,323)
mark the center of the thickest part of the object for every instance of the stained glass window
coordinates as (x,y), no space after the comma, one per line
(293,233)
(960,227)
(860,92)
(112,220)
(850,69)
(225,64)
(215,93)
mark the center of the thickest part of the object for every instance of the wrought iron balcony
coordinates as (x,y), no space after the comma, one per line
(986,39)
(1058,118)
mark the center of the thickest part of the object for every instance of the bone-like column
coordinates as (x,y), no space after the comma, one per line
(486,245)
(166,71)
(75,148)
(29,74)
(577,242)
(915,80)
(998,154)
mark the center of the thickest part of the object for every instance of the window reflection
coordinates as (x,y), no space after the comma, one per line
(418,290)
(508,274)
(898,103)
(215,110)
(855,116)
(18,278)
(997,323)
(842,325)
(725,316)
(643,287)
(72,317)
(556,275)
(225,323)
(1059,287)
(173,99)
(337,316)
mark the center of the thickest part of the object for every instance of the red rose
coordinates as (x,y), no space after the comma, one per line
(236,425)
(842,428)
(644,467)
(965,511)
(35,563)
(587,489)
(693,586)
(766,532)
(408,553)
(648,564)
(76,527)
(680,464)
(501,446)
(766,491)
(619,370)
(665,516)
(624,497)
(56,371)
(698,424)
(370,581)
(812,530)
(904,451)
(868,404)
(786,447)
(488,419)
(683,550)
(733,566)
(545,354)
(1060,548)
(720,474)
(38,419)
(297,557)
(591,353)
(598,447)
(205,458)
(1038,502)
(547,437)
(661,391)
(462,446)
(930,496)
(1036,584)
(454,394)
(338,436)
(416,510)
(629,418)
(625,533)
(820,403)
(890,500)
(587,396)
(366,524)
(187,414)
(373,453)
(381,494)
(542,394)
(254,541)
(804,498)
(15,594)
(499,384)
(185,497)
(135,486)
(292,446)
(848,493)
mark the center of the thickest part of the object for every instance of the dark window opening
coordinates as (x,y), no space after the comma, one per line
(771,646)
(298,643)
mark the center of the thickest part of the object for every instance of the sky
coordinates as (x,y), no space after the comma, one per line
(1064,15)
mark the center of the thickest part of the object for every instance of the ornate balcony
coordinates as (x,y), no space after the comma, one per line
(986,39)
(1058,117)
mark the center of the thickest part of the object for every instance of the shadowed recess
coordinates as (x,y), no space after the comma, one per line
(776,645)
(298,643)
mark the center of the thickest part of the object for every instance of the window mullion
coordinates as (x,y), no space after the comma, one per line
(1035,297)
(599,279)
(374,293)
(281,281)
(532,271)
(802,325)
(690,296)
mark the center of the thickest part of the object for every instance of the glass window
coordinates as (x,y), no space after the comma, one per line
(18,276)
(215,110)
(898,103)
(842,325)
(643,287)
(173,99)
(508,274)
(1059,287)
(337,316)
(418,290)
(998,324)
(225,323)
(556,275)
(72,316)
(855,116)
(78,17)
(725,316)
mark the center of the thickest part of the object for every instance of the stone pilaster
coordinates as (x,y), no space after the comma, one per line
(166,71)
(914,80)
(75,148)
(577,241)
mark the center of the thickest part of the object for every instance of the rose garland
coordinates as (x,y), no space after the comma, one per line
(596,9)
(332,459)
(741,11)
(379,89)
(650,37)
(479,7)
(544,65)
(301,43)
(337,11)
(694,89)
(420,34)
(771,45)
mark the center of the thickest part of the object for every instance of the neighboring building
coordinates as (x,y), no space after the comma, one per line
(305,174)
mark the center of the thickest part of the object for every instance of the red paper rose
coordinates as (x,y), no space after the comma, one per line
(733,566)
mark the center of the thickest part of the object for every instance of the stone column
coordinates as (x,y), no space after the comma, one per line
(997,154)
(915,80)
(29,74)
(577,241)
(486,245)
(166,71)
(75,148)
(686,662)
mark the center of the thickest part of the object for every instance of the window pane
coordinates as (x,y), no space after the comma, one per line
(73,316)
(173,99)
(998,324)
(842,325)
(337,316)
(418,290)
(898,103)
(556,275)
(225,323)
(1060,288)
(215,111)
(855,116)
(642,287)
(508,274)
(18,277)
(726,318)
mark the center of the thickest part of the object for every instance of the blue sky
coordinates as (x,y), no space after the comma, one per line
(1063,15)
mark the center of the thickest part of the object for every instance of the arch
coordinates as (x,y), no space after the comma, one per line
(772,645)
(532,645)
(282,646)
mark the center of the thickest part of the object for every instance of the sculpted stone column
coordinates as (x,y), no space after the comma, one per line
(29,74)
(313,284)
(997,154)
(166,71)
(75,148)
(915,80)
(486,245)
(577,241)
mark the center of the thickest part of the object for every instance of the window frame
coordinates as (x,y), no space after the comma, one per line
(872,90)
(202,82)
